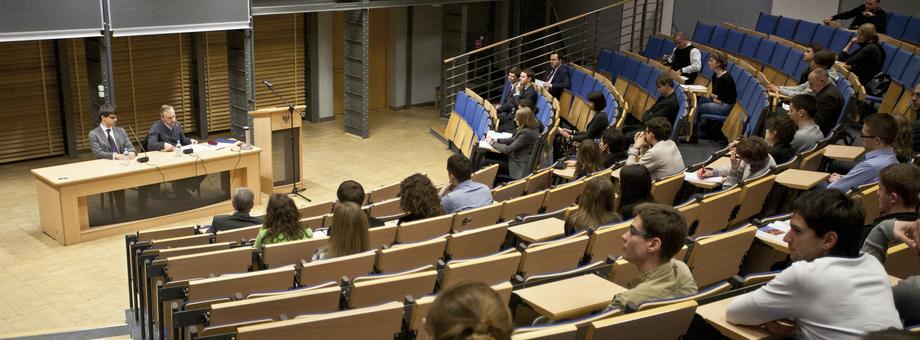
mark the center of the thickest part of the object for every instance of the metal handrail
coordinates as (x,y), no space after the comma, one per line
(580,37)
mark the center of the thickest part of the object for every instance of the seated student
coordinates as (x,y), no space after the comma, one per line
(469,310)
(418,198)
(822,59)
(282,222)
(907,291)
(666,104)
(802,109)
(527,103)
(780,133)
(635,188)
(878,134)
(914,113)
(462,193)
(613,146)
(348,233)
(595,207)
(831,291)
(724,94)
(525,88)
(899,187)
(685,58)
(242,203)
(867,61)
(828,100)
(351,191)
(808,56)
(653,238)
(750,158)
(654,150)
(520,146)
(870,12)
(588,159)
(566,138)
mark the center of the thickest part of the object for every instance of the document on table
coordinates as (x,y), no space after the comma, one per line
(692,176)
(775,231)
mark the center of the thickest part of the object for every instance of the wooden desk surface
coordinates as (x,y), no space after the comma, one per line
(567,173)
(74,173)
(801,179)
(714,313)
(844,152)
(572,297)
(538,231)
(778,246)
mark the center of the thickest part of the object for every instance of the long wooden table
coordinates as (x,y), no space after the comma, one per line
(63,189)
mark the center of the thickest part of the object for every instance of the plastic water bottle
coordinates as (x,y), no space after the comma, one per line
(178,148)
(125,160)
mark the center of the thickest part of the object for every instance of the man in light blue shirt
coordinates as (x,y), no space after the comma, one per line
(462,193)
(878,134)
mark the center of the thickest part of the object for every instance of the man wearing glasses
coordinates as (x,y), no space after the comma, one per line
(657,234)
(878,134)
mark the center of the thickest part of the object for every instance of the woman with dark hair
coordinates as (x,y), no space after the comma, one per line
(567,138)
(349,233)
(635,188)
(282,222)
(867,61)
(469,311)
(588,159)
(595,207)
(780,132)
(418,198)
(724,94)
(519,147)
(613,146)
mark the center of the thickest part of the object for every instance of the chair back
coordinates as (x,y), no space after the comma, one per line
(509,190)
(317,209)
(475,218)
(181,241)
(378,322)
(563,196)
(228,316)
(714,290)
(902,262)
(718,209)
(334,269)
(488,269)
(529,204)
(753,195)
(553,256)
(476,242)
(646,324)
(373,292)
(382,236)
(386,208)
(664,190)
(155,234)
(425,229)
(209,264)
(383,193)
(867,195)
(282,254)
(718,257)
(538,181)
(407,256)
(237,235)
(237,287)
(486,175)
(607,241)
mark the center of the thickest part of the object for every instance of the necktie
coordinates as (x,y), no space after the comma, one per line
(112,146)
(551,74)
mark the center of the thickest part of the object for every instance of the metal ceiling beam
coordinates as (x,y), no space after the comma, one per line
(270,7)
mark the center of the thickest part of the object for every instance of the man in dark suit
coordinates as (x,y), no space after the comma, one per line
(665,106)
(164,135)
(556,77)
(108,141)
(242,203)
(351,191)
(828,99)
(870,12)
(524,89)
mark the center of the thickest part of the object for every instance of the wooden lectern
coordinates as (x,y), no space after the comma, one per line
(272,133)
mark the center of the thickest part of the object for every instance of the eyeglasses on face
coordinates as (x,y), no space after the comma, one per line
(635,232)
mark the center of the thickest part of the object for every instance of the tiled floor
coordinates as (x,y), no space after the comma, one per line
(44,285)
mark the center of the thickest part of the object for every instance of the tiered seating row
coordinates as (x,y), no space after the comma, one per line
(636,76)
(468,123)
(904,68)
(584,82)
(778,55)
(903,27)
(804,32)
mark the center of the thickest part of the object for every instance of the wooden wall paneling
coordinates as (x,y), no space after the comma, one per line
(217,82)
(279,58)
(29,97)
(79,88)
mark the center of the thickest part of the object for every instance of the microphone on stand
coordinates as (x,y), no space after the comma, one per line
(139,159)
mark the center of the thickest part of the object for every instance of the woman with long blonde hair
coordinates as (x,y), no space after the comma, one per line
(348,234)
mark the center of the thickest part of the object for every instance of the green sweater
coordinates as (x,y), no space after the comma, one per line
(260,240)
